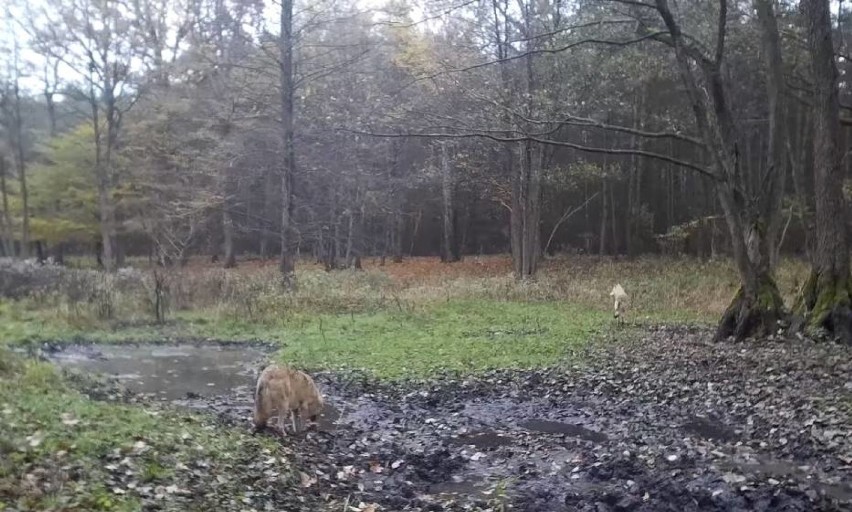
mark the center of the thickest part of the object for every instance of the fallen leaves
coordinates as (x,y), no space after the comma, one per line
(306,480)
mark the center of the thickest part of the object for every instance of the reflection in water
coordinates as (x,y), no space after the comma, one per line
(171,372)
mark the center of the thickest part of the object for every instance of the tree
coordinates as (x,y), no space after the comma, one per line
(64,195)
(98,42)
(826,298)
(751,210)
(12,120)
(287,263)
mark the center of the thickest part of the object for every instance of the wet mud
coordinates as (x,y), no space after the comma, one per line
(670,422)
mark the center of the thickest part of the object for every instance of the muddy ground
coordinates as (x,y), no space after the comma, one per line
(668,422)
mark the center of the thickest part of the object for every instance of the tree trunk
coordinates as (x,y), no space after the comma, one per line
(51,110)
(102,184)
(397,231)
(516,224)
(448,252)
(826,299)
(267,222)
(396,220)
(776,151)
(40,254)
(604,210)
(17,138)
(798,154)
(59,253)
(631,212)
(287,262)
(230,259)
(8,239)
(415,232)
(614,249)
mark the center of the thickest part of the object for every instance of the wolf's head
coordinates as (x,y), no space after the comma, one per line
(314,408)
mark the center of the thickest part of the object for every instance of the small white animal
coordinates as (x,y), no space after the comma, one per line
(620,297)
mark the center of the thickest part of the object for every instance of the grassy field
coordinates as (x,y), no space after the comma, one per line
(398,319)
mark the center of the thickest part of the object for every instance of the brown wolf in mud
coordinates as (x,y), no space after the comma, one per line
(285,393)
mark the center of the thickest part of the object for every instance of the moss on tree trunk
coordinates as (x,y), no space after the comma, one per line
(753,314)
(825,303)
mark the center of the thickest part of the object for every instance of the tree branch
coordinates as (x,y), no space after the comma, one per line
(549,142)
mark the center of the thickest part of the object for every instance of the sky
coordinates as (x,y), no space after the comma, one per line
(13,35)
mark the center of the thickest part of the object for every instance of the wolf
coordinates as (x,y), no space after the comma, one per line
(285,393)
(620,297)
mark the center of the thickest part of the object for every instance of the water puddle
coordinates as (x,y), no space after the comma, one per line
(558,427)
(170,372)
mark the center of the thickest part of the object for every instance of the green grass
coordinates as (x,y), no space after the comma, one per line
(457,336)
(62,451)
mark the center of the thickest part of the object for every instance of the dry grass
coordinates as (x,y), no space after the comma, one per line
(659,288)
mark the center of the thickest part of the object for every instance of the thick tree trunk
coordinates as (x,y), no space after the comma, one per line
(526,213)
(448,224)
(826,299)
(526,203)
(287,262)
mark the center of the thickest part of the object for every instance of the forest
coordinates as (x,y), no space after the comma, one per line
(335,131)
(425,204)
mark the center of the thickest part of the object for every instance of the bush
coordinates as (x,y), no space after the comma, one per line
(23,278)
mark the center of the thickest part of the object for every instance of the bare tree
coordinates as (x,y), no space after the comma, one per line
(97,41)
(750,210)
(13,122)
(287,262)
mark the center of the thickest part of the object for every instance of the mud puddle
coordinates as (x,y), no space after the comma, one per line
(170,372)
